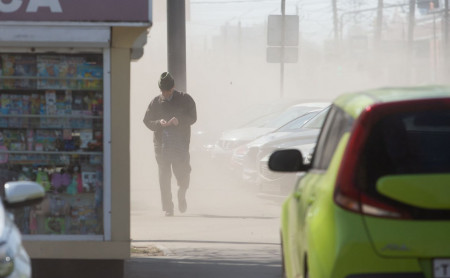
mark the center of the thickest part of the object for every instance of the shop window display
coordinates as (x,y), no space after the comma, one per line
(51,132)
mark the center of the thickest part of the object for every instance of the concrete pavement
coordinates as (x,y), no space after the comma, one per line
(227,230)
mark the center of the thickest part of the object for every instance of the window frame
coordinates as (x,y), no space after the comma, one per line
(337,123)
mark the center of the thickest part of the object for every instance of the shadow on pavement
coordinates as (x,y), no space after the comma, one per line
(163,267)
(208,260)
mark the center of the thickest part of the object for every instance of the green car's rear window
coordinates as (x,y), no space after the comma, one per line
(410,143)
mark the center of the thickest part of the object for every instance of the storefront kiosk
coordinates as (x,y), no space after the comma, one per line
(65,123)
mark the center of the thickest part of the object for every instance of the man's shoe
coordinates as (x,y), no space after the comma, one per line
(169,213)
(182,205)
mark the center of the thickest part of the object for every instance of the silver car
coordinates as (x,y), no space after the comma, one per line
(231,140)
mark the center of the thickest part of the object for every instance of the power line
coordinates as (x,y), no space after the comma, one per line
(314,2)
(232,2)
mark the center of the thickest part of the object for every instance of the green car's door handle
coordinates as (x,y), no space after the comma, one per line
(298,195)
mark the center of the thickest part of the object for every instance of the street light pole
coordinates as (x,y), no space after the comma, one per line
(283,27)
(411,21)
(411,24)
(335,21)
(435,70)
(446,39)
(379,26)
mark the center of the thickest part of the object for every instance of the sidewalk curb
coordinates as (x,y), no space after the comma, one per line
(149,250)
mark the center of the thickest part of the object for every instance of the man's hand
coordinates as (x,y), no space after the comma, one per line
(163,122)
(173,121)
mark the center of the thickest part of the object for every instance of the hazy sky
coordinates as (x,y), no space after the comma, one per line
(207,16)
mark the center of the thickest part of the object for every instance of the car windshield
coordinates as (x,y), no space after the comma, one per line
(298,123)
(317,121)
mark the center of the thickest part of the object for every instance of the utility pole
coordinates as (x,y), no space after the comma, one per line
(410,42)
(176,42)
(379,25)
(283,33)
(335,21)
(377,52)
(434,49)
(446,30)
(411,22)
(446,25)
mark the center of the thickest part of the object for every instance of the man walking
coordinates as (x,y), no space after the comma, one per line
(170,116)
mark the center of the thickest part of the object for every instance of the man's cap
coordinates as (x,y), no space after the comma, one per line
(166,81)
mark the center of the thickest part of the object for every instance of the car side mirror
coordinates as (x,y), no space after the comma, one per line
(287,161)
(22,193)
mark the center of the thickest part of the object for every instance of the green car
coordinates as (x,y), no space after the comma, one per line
(375,200)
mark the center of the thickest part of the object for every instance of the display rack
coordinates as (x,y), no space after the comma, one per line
(51,131)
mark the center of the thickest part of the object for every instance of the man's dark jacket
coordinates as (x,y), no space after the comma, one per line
(181,106)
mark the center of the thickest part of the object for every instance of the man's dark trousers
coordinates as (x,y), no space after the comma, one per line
(178,161)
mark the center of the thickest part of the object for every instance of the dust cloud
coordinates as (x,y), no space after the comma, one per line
(231,82)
